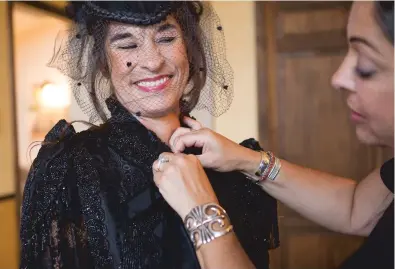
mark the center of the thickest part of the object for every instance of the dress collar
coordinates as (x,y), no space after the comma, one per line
(130,138)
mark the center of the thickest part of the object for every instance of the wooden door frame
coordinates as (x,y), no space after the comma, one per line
(267,132)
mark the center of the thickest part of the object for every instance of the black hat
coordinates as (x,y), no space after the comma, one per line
(134,12)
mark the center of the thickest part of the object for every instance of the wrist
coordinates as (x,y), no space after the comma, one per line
(206,223)
(188,209)
(268,168)
(250,162)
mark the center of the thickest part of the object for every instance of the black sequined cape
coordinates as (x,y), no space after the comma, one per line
(90,202)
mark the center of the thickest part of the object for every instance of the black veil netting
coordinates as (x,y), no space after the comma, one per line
(98,69)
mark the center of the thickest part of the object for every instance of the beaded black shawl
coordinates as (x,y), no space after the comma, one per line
(90,202)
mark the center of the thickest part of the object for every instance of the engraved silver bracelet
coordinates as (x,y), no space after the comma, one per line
(269,167)
(207,222)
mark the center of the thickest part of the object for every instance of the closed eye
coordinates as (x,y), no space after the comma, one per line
(364,74)
(132,46)
(168,39)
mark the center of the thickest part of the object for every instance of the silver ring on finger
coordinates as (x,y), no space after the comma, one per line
(161,161)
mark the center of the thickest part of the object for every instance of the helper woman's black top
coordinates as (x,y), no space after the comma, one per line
(378,249)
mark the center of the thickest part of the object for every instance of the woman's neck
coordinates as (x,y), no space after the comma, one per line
(163,127)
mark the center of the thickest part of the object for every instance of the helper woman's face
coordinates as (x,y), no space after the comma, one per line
(148,65)
(367,77)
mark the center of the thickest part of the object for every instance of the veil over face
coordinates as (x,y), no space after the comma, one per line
(149,68)
(153,56)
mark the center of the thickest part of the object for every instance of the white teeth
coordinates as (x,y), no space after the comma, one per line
(153,83)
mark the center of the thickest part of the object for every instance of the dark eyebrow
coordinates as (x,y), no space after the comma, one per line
(165,27)
(358,39)
(120,36)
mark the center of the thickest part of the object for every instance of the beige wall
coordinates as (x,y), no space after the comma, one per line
(238,20)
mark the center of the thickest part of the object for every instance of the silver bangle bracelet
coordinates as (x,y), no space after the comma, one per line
(269,168)
(276,169)
(207,222)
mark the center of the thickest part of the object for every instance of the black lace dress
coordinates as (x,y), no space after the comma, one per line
(90,202)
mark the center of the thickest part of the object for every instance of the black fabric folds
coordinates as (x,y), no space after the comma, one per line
(90,202)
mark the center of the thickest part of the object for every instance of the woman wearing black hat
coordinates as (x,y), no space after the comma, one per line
(367,77)
(90,200)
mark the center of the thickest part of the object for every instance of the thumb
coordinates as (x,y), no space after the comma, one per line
(204,159)
(193,139)
(177,133)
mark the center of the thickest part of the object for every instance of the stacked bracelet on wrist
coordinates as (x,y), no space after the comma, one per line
(207,222)
(269,167)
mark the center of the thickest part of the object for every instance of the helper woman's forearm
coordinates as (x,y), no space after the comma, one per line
(336,203)
(320,197)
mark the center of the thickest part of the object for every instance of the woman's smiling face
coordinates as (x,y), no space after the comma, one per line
(148,66)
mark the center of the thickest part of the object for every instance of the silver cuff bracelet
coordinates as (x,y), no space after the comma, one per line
(207,222)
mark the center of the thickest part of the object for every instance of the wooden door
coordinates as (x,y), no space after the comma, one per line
(305,121)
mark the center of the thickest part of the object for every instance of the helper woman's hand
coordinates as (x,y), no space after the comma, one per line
(218,152)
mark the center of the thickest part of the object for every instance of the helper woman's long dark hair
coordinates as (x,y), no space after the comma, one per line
(384,14)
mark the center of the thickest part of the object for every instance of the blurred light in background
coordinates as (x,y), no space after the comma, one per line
(53,96)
